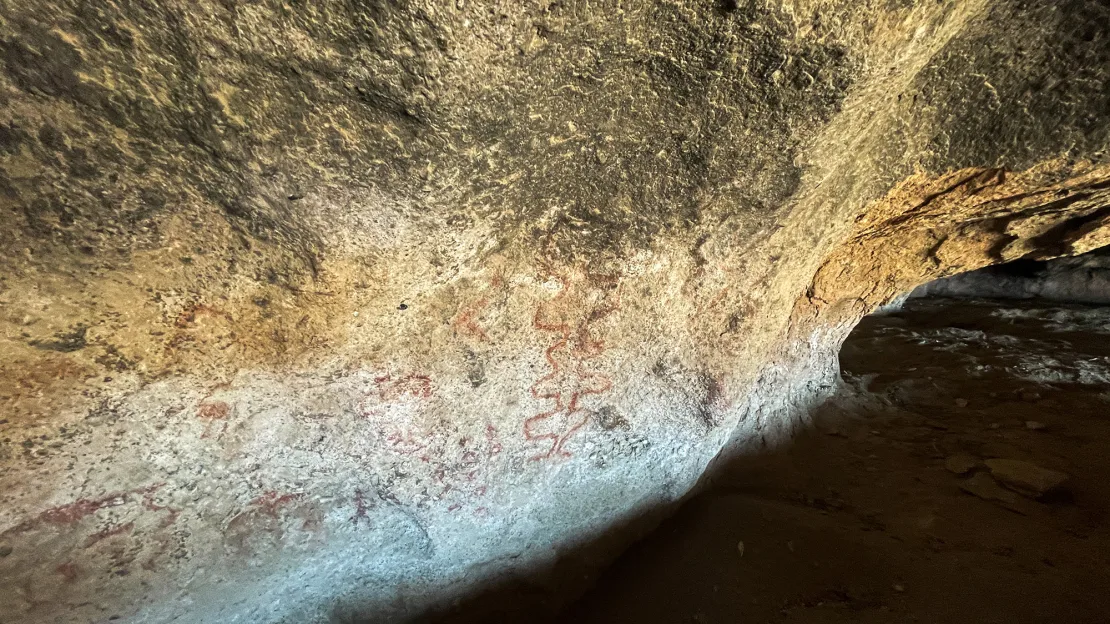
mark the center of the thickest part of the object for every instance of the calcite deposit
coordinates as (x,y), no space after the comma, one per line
(339,309)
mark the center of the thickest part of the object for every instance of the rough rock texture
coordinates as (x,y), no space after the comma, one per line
(1024,477)
(334,309)
(861,519)
(1079,279)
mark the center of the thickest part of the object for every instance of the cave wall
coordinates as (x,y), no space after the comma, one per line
(1073,279)
(332,309)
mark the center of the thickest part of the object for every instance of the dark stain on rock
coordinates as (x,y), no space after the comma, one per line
(727,7)
(51,138)
(993,90)
(114,360)
(735,321)
(64,342)
(609,420)
(6,188)
(79,165)
(11,137)
(659,369)
(46,66)
(620,145)
(475,369)
(706,408)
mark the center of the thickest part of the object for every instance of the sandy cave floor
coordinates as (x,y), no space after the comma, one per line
(861,520)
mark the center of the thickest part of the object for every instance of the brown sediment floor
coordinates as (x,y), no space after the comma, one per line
(861,520)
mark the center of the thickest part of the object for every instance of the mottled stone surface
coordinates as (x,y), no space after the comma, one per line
(1083,279)
(323,309)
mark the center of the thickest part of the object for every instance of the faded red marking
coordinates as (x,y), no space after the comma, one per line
(160,539)
(71,513)
(453,463)
(715,394)
(150,505)
(108,532)
(500,276)
(271,502)
(466,321)
(456,466)
(495,447)
(413,384)
(391,389)
(406,443)
(715,300)
(461,468)
(191,313)
(266,515)
(82,508)
(216,410)
(213,412)
(68,571)
(568,381)
(361,509)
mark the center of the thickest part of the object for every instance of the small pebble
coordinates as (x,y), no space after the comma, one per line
(5,550)
(899,588)
(1034,425)
(961,402)
(740,548)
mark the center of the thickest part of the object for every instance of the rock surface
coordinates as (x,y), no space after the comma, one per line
(337,309)
(982,485)
(1024,477)
(879,529)
(961,463)
(1083,279)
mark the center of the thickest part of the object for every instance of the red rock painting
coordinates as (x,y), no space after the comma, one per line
(456,462)
(215,414)
(272,521)
(412,384)
(189,315)
(113,532)
(466,321)
(398,433)
(582,301)
(72,513)
(361,509)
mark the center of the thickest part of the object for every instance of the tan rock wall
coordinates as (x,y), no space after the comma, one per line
(312,310)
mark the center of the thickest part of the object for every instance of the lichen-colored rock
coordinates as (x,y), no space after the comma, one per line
(340,308)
